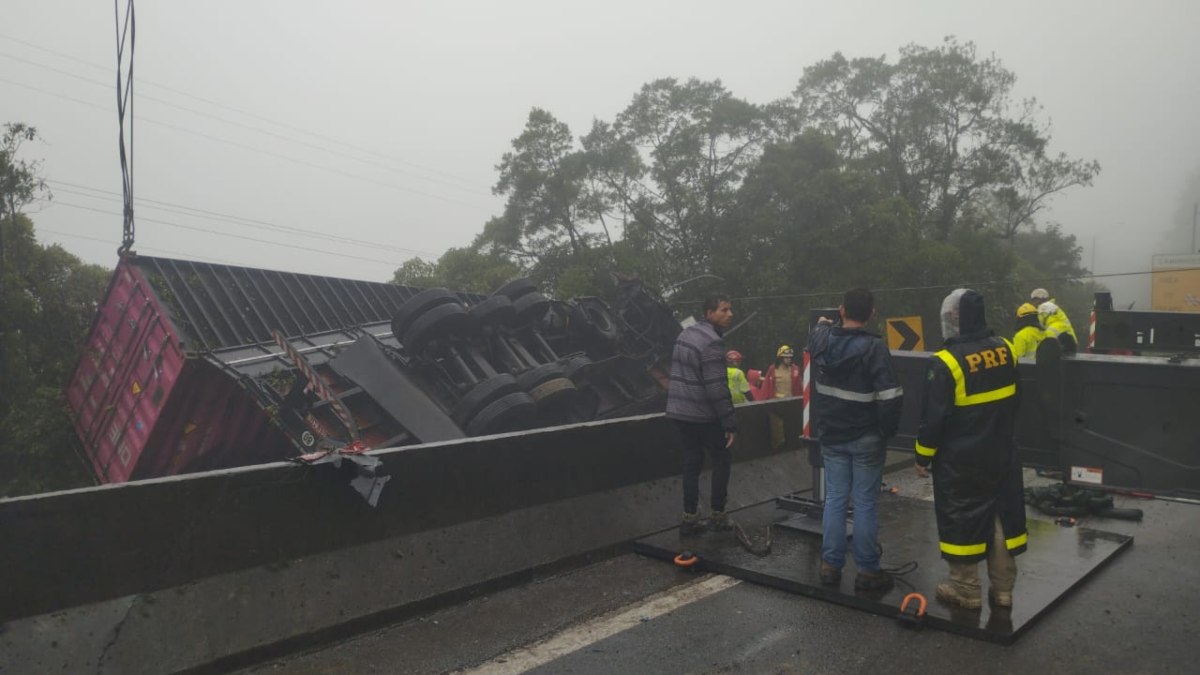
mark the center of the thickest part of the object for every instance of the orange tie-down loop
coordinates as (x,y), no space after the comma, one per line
(686,559)
(916,612)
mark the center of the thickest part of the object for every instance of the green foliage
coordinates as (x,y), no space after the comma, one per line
(47,306)
(940,127)
(47,299)
(910,177)
(20,182)
(461,269)
(418,273)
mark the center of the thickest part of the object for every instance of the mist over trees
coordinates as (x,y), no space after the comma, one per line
(910,176)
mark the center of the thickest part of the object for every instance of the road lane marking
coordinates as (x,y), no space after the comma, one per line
(585,634)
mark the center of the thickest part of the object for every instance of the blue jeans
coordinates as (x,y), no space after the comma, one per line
(854,467)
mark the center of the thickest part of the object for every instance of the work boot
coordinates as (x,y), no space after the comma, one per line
(720,521)
(948,592)
(691,524)
(877,580)
(1000,598)
(830,575)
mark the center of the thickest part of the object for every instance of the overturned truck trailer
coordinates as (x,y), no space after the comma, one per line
(192,366)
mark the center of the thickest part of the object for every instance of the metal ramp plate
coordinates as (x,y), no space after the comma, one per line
(1057,561)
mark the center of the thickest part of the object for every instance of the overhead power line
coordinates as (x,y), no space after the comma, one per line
(466,182)
(288,139)
(153,250)
(216,216)
(393,263)
(250,148)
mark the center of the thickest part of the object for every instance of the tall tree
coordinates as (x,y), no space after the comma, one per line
(548,207)
(674,159)
(941,128)
(20,179)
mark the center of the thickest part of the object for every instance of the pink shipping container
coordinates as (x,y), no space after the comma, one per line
(171,378)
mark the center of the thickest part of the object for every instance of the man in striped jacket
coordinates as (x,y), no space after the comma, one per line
(699,403)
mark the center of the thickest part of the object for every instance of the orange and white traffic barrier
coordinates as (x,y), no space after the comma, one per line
(806,394)
(1092,332)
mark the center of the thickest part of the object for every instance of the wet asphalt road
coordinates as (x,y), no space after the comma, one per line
(1140,614)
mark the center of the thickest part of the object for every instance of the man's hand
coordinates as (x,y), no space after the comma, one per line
(730,437)
(825,320)
(922,471)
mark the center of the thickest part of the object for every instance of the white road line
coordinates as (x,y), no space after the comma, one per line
(578,637)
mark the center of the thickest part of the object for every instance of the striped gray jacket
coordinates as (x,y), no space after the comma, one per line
(698,390)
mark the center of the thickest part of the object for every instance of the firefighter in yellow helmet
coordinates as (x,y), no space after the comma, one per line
(1029,332)
(1054,320)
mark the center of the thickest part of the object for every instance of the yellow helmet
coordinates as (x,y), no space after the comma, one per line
(1026,309)
(784,350)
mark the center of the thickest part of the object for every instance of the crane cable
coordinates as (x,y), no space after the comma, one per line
(126,30)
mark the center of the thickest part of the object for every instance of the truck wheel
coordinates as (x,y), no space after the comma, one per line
(516,288)
(539,374)
(497,309)
(439,321)
(531,307)
(602,321)
(511,412)
(414,307)
(573,364)
(482,394)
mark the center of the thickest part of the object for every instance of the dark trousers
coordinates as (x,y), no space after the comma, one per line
(1068,343)
(698,437)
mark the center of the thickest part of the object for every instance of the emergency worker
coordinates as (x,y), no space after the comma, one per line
(968,415)
(739,386)
(783,377)
(1054,320)
(1029,332)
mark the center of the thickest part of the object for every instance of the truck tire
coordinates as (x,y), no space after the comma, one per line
(545,392)
(516,288)
(531,307)
(602,321)
(497,309)
(414,307)
(511,412)
(531,378)
(441,320)
(482,394)
(574,367)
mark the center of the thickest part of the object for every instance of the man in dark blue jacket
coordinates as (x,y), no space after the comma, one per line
(698,401)
(857,406)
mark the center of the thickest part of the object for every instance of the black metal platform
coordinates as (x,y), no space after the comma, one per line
(1057,561)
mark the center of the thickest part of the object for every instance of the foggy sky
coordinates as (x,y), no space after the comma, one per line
(419,100)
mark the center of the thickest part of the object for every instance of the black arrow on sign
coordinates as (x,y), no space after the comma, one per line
(910,336)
